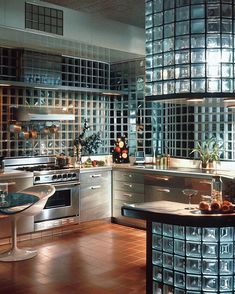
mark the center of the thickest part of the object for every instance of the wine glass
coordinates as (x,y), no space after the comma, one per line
(189,193)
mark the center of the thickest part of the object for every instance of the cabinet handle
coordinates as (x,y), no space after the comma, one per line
(162,178)
(163,190)
(128,195)
(205,182)
(95,176)
(128,185)
(95,187)
(129,175)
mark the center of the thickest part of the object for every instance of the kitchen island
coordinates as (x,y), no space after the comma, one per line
(187,251)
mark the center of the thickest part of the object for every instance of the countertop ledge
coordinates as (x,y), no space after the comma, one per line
(175,213)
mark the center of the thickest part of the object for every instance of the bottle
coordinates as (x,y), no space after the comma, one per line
(216,188)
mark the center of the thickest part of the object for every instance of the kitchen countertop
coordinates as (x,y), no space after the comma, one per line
(175,213)
(11,173)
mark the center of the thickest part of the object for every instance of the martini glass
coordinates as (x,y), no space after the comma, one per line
(189,193)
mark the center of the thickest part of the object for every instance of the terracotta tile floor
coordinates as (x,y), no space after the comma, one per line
(106,259)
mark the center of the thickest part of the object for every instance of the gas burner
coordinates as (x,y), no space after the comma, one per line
(42,168)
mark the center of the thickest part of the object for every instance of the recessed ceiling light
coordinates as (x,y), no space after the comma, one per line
(195,99)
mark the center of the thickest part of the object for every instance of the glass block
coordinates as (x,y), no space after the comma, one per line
(213,70)
(213,41)
(168,289)
(193,282)
(168,44)
(198,56)
(168,30)
(179,263)
(227,70)
(179,280)
(193,233)
(182,57)
(210,283)
(193,265)
(197,11)
(226,266)
(168,73)
(198,41)
(227,85)
(213,26)
(157,242)
(157,228)
(157,46)
(167,260)
(182,72)
(210,250)
(179,291)
(148,21)
(182,28)
(210,234)
(149,62)
(226,26)
(168,276)
(157,273)
(168,244)
(157,257)
(167,230)
(157,33)
(157,74)
(181,42)
(157,288)
(198,70)
(210,266)
(226,234)
(157,60)
(148,8)
(193,249)
(214,85)
(169,58)
(148,35)
(157,88)
(226,250)
(179,246)
(226,283)
(182,13)
(158,19)
(179,232)
(198,26)
(169,16)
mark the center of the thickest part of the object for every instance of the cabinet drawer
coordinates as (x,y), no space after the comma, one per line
(130,197)
(95,179)
(162,180)
(128,187)
(128,177)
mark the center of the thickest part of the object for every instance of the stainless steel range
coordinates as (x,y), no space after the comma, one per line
(63,207)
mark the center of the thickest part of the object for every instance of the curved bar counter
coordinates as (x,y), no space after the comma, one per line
(187,251)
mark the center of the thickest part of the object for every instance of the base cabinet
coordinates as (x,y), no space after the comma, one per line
(95,195)
(128,187)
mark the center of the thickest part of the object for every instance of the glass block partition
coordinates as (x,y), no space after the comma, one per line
(93,107)
(192,260)
(189,48)
(177,127)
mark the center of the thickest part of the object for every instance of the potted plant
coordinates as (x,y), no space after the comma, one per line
(208,151)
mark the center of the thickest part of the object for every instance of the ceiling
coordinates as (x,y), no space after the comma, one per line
(125,11)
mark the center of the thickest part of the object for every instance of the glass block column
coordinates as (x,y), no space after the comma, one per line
(189,48)
(192,260)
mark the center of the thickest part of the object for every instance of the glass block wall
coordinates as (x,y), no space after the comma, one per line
(189,48)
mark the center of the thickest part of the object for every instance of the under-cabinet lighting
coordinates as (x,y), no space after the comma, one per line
(111,93)
(229,100)
(231,106)
(5,85)
(195,100)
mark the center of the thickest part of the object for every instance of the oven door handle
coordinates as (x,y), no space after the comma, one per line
(66,185)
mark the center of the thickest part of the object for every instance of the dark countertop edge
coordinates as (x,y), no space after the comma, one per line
(197,220)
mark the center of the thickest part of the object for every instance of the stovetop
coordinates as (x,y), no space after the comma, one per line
(42,168)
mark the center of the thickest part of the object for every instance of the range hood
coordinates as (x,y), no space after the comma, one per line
(42,114)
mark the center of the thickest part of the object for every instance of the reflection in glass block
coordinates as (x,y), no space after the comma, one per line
(226,234)
(168,289)
(198,56)
(198,26)
(157,242)
(182,86)
(157,288)
(210,266)
(226,266)
(168,276)
(227,70)
(167,260)
(210,234)
(193,233)
(193,249)
(157,228)
(179,247)
(226,250)
(197,85)
(198,41)
(157,257)
(167,230)
(214,85)
(210,283)
(193,265)
(157,273)
(198,70)
(226,283)
(179,232)
(168,44)
(167,244)
(179,263)
(210,250)
(179,291)
(193,282)
(179,280)
(227,85)
(181,42)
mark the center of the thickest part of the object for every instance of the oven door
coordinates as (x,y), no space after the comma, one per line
(64,203)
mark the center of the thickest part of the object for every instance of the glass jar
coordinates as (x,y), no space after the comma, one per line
(216,188)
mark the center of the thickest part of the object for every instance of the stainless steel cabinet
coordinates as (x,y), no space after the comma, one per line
(95,195)
(169,187)
(128,187)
